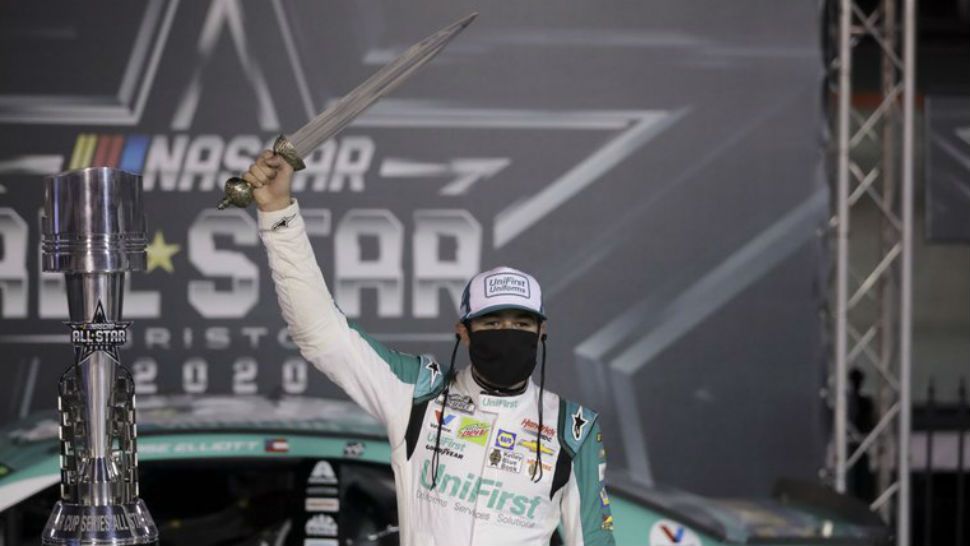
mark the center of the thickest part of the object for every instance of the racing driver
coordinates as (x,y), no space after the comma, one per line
(480,457)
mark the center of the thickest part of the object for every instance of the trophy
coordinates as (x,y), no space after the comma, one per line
(93,232)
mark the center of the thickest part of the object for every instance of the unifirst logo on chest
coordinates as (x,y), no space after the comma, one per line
(471,488)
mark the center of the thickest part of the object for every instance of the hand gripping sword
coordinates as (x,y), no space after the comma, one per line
(332,120)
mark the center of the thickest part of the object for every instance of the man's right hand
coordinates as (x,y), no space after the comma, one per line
(270,178)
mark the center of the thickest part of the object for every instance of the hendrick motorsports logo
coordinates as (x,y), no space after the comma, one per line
(321,525)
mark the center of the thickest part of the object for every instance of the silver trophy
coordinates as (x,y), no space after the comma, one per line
(94,232)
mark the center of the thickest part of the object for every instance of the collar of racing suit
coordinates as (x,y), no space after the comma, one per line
(466,383)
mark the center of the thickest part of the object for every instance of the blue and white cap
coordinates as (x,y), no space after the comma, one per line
(499,289)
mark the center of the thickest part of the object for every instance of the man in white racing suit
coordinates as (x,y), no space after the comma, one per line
(477,458)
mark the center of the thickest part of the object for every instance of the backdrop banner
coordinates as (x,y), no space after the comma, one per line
(656,165)
(947,167)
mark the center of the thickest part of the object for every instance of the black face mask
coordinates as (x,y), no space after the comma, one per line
(503,357)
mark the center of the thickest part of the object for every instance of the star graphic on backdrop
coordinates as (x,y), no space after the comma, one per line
(160,253)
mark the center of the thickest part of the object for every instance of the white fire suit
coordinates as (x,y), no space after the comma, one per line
(484,493)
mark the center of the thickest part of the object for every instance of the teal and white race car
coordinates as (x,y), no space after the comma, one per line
(310,472)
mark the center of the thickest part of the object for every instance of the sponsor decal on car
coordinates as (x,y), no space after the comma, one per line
(354,450)
(505,460)
(607,524)
(670,533)
(602,471)
(276,445)
(199,447)
(505,439)
(474,431)
(322,474)
(604,498)
(321,491)
(320,542)
(321,525)
(45,429)
(322,504)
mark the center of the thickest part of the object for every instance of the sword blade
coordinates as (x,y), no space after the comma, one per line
(385,80)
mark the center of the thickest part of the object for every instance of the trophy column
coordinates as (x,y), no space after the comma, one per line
(94,232)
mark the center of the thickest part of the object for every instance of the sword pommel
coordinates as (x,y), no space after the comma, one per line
(238,193)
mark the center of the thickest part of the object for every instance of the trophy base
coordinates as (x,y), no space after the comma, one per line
(115,525)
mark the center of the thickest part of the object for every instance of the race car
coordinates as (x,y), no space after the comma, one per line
(314,472)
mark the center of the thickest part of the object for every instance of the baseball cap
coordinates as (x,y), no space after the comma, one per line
(500,289)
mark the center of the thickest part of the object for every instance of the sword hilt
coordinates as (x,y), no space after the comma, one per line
(238,193)
(285,149)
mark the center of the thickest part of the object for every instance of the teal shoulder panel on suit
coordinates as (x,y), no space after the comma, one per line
(575,424)
(431,379)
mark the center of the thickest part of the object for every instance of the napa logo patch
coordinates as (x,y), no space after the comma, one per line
(505,439)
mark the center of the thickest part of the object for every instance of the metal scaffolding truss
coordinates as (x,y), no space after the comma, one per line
(871,232)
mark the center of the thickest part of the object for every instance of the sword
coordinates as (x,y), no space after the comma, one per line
(331,121)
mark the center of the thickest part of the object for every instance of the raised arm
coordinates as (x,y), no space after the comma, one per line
(380,380)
